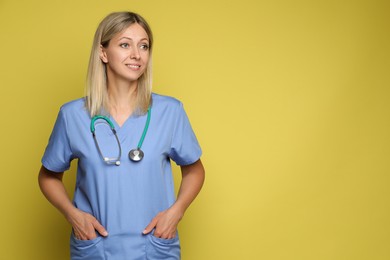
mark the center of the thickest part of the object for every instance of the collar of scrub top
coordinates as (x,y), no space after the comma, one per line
(135,155)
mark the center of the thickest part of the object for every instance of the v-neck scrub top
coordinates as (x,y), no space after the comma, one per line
(125,198)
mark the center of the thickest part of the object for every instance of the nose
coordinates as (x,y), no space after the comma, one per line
(135,54)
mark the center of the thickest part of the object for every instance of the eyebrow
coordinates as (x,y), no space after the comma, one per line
(132,39)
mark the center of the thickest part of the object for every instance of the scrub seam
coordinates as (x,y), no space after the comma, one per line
(174,129)
(66,131)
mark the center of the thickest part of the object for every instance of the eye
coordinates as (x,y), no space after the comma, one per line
(124,45)
(144,46)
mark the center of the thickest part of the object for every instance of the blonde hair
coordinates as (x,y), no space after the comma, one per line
(96,86)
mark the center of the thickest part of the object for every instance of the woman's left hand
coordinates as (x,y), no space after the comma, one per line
(165,223)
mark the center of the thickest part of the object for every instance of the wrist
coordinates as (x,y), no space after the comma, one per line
(71,213)
(179,209)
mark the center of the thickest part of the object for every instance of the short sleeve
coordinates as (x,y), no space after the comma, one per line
(58,153)
(185,148)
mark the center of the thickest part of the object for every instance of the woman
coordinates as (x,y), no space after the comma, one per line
(124,137)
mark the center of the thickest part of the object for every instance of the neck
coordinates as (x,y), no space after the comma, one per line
(121,97)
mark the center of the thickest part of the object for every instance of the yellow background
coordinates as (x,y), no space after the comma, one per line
(289,100)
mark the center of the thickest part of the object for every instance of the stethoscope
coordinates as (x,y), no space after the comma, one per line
(135,155)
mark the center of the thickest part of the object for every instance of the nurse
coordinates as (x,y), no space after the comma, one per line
(122,209)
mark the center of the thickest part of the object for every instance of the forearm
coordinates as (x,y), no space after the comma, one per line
(192,181)
(54,190)
(165,222)
(83,224)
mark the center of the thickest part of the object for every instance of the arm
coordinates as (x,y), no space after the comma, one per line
(166,221)
(83,224)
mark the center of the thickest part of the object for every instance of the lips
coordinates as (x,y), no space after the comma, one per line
(133,66)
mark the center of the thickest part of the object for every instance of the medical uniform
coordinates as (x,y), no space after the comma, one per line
(124,198)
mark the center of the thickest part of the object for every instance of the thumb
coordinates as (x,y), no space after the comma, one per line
(150,227)
(102,231)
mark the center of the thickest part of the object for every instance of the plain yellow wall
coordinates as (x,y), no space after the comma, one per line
(289,99)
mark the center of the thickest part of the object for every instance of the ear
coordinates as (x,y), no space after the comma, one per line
(103,54)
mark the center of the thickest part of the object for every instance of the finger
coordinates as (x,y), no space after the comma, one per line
(80,235)
(102,231)
(150,227)
(157,233)
(165,235)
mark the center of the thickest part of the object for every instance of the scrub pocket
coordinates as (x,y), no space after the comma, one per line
(86,249)
(160,248)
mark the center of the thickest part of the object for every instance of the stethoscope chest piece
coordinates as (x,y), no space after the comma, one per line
(136,155)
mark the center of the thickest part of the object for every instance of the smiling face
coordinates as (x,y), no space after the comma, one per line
(127,54)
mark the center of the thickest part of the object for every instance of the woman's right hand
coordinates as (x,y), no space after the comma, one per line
(84,225)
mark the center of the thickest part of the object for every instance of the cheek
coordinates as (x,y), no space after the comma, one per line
(146,56)
(115,57)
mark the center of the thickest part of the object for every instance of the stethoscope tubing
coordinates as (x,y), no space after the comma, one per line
(133,157)
(141,141)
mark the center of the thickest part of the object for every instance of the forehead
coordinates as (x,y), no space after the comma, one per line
(134,32)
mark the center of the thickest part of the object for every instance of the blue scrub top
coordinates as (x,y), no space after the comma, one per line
(124,198)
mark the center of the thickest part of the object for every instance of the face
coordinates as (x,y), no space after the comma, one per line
(127,54)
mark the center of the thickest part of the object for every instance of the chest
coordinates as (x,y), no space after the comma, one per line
(154,138)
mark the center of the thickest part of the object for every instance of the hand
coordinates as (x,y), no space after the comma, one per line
(165,224)
(84,226)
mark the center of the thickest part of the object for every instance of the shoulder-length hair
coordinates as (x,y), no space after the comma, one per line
(96,85)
